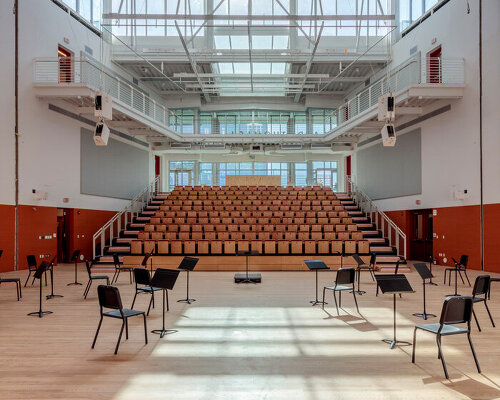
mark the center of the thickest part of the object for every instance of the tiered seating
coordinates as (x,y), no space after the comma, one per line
(271,220)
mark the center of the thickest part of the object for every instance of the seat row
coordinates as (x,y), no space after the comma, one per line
(244,201)
(253,235)
(252,188)
(259,227)
(225,207)
(248,221)
(295,198)
(246,213)
(267,247)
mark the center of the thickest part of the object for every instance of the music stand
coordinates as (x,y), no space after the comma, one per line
(42,268)
(341,258)
(74,258)
(360,262)
(315,265)
(51,268)
(394,286)
(187,264)
(164,279)
(456,279)
(431,261)
(424,273)
(246,277)
(144,262)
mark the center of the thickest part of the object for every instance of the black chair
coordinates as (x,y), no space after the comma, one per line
(92,278)
(119,268)
(456,310)
(369,267)
(461,266)
(479,294)
(31,259)
(17,281)
(109,297)
(142,277)
(345,276)
(489,289)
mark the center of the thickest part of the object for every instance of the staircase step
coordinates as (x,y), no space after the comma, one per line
(118,249)
(124,240)
(369,226)
(108,259)
(387,259)
(145,219)
(377,240)
(358,220)
(373,233)
(391,268)
(137,225)
(130,233)
(152,208)
(148,212)
(355,213)
(156,202)
(351,208)
(388,250)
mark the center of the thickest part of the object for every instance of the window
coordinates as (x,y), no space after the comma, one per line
(300,174)
(88,9)
(325,173)
(181,173)
(206,174)
(411,10)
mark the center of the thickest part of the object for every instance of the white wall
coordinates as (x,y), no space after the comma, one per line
(450,141)
(49,145)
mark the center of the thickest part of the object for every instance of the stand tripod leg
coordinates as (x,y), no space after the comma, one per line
(162,332)
(40,313)
(76,276)
(394,342)
(424,315)
(316,302)
(187,299)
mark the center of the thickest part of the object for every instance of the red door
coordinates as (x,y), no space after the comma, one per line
(65,65)
(434,66)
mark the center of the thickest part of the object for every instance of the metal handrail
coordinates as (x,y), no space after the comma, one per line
(378,217)
(113,227)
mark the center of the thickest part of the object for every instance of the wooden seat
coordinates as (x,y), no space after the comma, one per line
(297,246)
(163,247)
(216,247)
(136,247)
(229,247)
(283,247)
(190,247)
(243,245)
(203,246)
(176,246)
(256,245)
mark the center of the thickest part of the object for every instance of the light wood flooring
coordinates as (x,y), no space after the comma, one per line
(261,341)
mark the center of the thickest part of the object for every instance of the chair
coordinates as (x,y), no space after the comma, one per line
(143,277)
(119,268)
(92,278)
(345,276)
(31,259)
(479,294)
(109,297)
(461,266)
(456,310)
(17,281)
(370,267)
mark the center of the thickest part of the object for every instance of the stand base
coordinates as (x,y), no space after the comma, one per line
(251,278)
(316,302)
(39,313)
(51,296)
(188,301)
(431,283)
(74,283)
(358,292)
(424,315)
(394,343)
(163,332)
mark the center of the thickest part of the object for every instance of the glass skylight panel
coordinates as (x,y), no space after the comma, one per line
(262,42)
(261,68)
(280,42)
(239,42)
(241,68)
(278,68)
(222,42)
(226,68)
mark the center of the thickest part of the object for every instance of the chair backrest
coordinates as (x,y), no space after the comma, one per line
(481,285)
(87,265)
(116,260)
(456,310)
(142,276)
(31,259)
(345,276)
(464,260)
(109,297)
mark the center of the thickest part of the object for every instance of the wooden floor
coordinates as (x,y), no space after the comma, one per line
(262,341)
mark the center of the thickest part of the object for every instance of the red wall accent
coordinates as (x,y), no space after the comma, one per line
(492,237)
(82,226)
(348,165)
(402,219)
(36,222)
(7,237)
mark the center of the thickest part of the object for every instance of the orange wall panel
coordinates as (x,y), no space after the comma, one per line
(492,237)
(7,237)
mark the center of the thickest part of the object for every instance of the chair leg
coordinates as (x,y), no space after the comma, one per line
(114,276)
(438,341)
(150,302)
(461,277)
(166,295)
(467,277)
(97,332)
(120,337)
(117,276)
(28,278)
(145,329)
(340,299)
(153,296)
(475,318)
(107,281)
(372,274)
(474,353)
(491,318)
(444,280)
(87,289)
(376,293)
(336,305)
(133,301)
(414,345)
(130,273)
(355,300)
(126,328)
(17,291)
(323,299)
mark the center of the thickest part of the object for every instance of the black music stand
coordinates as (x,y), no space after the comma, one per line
(42,268)
(429,282)
(164,279)
(394,286)
(360,262)
(144,262)
(341,258)
(246,277)
(187,264)
(51,268)
(457,264)
(74,258)
(315,265)
(424,273)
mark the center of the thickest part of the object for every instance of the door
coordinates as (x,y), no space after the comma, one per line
(327,177)
(421,235)
(62,235)
(65,65)
(434,70)
(180,178)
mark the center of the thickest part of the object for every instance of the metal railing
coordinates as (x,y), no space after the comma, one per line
(396,237)
(414,71)
(111,229)
(67,71)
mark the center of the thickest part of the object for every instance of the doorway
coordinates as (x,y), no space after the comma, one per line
(180,178)
(65,65)
(434,69)
(421,235)
(62,235)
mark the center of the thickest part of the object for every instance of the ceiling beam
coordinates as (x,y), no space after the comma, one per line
(255,76)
